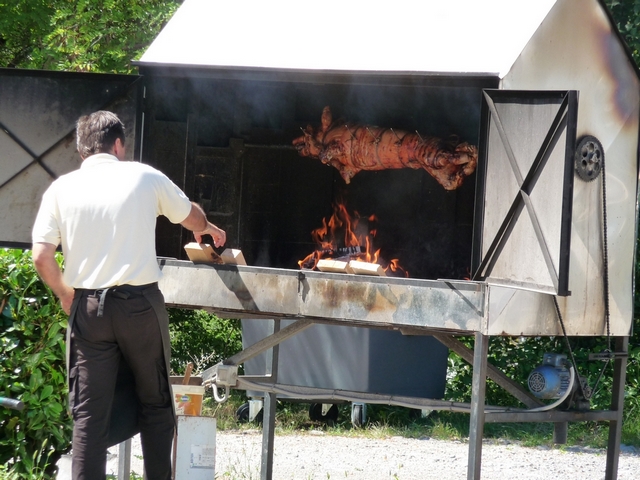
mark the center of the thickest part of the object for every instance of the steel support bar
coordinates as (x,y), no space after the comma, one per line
(478,390)
(560,432)
(269,412)
(553,416)
(617,404)
(259,347)
(124,460)
(325,395)
(493,372)
(268,342)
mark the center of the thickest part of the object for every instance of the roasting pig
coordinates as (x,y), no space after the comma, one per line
(351,148)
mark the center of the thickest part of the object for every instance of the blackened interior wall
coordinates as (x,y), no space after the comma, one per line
(227,142)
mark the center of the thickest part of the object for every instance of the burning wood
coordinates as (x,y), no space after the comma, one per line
(353,266)
(336,266)
(351,148)
(365,268)
(345,245)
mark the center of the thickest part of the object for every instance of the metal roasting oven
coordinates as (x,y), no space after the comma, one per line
(538,241)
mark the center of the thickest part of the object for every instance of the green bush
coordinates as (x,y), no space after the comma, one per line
(32,357)
(32,365)
(201,338)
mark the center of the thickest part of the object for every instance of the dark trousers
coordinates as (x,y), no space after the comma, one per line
(128,331)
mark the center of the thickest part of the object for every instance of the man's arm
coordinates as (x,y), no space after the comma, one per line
(197,222)
(44,259)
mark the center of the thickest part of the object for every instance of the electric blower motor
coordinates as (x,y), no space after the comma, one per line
(551,379)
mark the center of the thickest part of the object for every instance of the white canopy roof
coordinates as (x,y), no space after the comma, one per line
(451,36)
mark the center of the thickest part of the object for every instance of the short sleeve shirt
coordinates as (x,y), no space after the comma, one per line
(104,216)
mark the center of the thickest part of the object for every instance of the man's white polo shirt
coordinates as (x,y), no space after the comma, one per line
(104,216)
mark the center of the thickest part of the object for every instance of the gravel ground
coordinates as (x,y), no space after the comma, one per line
(316,456)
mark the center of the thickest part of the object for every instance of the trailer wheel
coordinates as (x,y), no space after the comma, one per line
(242,414)
(315,413)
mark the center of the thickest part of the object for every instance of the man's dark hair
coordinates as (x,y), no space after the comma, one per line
(97,132)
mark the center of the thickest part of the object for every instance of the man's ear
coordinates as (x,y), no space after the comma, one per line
(118,149)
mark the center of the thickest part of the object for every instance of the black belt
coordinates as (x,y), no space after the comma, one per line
(122,292)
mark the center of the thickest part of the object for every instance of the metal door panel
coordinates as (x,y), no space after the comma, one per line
(38,111)
(523,220)
(18,159)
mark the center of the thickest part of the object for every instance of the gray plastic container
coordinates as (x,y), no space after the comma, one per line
(352,358)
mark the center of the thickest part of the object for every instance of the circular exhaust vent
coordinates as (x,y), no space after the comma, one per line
(589,158)
(537,382)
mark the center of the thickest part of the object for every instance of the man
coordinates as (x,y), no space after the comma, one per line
(104,216)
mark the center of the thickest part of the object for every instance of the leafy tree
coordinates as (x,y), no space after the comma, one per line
(626,14)
(79,35)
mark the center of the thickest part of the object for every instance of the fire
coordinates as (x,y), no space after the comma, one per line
(348,237)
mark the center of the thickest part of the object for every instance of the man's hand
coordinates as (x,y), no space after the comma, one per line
(219,236)
(44,259)
(197,222)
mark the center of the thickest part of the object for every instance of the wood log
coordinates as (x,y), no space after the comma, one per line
(335,266)
(202,253)
(233,256)
(365,268)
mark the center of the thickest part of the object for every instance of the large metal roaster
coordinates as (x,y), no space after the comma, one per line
(538,241)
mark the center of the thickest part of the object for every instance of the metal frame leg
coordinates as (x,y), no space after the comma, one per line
(478,391)
(617,404)
(560,432)
(269,413)
(124,460)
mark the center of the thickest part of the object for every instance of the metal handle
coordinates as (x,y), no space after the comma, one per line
(11,403)
(216,395)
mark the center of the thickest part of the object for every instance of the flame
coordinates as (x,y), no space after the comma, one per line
(348,237)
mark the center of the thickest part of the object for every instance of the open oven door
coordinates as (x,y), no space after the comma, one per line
(38,111)
(522,224)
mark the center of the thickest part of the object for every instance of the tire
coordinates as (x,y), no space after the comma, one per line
(315,414)
(242,414)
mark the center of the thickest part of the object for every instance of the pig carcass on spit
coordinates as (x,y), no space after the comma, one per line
(351,148)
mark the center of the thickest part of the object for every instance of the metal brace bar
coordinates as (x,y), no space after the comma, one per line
(259,347)
(32,154)
(269,413)
(550,416)
(124,460)
(478,390)
(493,372)
(608,356)
(617,404)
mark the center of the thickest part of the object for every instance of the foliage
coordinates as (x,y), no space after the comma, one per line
(201,338)
(32,364)
(82,35)
(626,14)
(32,356)
(517,357)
